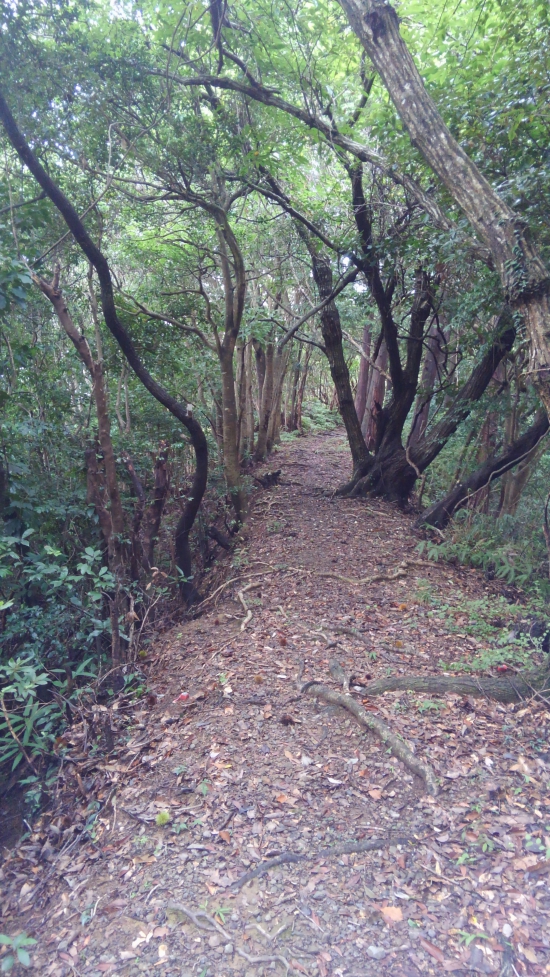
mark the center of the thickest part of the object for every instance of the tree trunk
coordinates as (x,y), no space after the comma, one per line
(231,463)
(249,402)
(440,514)
(396,468)
(363,378)
(433,361)
(375,396)
(260,370)
(266,405)
(153,513)
(280,364)
(525,280)
(297,414)
(332,338)
(290,419)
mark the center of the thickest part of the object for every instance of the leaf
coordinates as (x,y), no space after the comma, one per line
(529,955)
(434,951)
(225,836)
(23,957)
(392,913)
(375,793)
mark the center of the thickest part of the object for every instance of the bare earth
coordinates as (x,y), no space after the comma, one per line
(246,768)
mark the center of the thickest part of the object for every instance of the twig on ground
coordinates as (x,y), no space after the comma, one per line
(291,857)
(200,914)
(378,727)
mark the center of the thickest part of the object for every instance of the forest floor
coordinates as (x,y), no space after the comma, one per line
(199,791)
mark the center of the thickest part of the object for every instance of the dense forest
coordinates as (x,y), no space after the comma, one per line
(225,228)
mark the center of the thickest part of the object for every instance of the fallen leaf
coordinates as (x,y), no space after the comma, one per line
(392,912)
(225,836)
(434,951)
(375,794)
(529,955)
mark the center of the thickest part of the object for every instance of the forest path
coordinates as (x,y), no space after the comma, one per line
(247,768)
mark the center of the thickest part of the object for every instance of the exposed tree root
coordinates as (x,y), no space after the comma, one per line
(291,857)
(397,746)
(400,571)
(516,687)
(213,925)
(396,574)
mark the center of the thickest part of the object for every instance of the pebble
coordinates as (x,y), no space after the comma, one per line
(214,940)
(228,948)
(376,952)
(507,931)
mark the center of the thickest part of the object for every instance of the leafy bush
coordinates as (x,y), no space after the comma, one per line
(501,547)
(53,616)
(316,416)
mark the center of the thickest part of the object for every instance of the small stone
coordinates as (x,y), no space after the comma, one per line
(507,931)
(214,940)
(228,948)
(376,952)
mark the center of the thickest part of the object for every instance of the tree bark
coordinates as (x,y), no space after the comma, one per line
(280,364)
(332,338)
(525,279)
(266,402)
(152,516)
(440,514)
(433,361)
(396,468)
(375,397)
(363,378)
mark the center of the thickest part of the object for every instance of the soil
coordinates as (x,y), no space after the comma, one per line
(223,765)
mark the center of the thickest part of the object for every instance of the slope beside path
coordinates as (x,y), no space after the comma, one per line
(203,790)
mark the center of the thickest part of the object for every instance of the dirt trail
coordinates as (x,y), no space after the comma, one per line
(247,769)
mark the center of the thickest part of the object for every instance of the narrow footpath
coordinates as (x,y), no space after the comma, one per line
(224,766)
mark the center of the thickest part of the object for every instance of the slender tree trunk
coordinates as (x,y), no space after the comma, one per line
(266,403)
(260,370)
(249,401)
(440,514)
(363,378)
(109,510)
(433,361)
(525,279)
(280,364)
(152,516)
(297,416)
(231,463)
(332,338)
(290,419)
(375,397)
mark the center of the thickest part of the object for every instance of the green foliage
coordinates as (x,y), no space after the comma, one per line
(500,547)
(19,953)
(318,417)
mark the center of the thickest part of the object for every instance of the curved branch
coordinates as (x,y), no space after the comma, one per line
(98,260)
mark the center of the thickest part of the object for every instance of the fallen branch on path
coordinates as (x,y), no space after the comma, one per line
(291,857)
(377,726)
(533,683)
